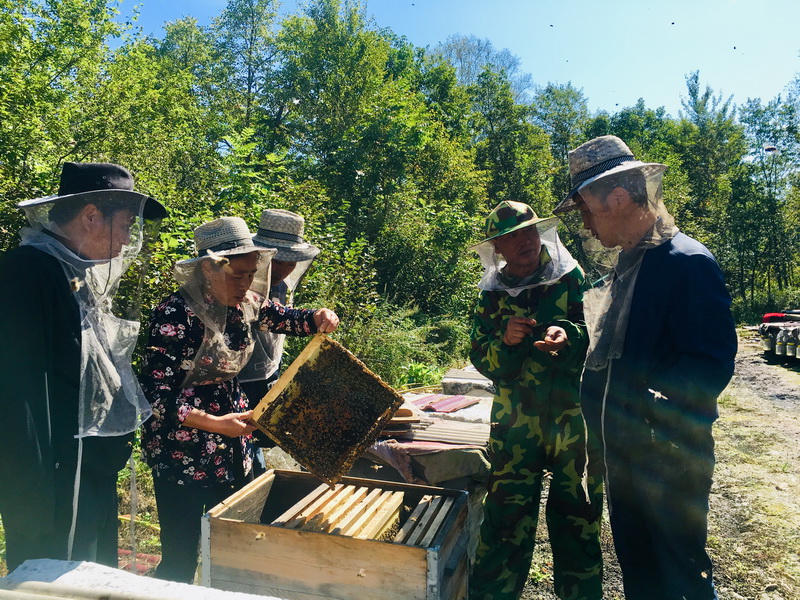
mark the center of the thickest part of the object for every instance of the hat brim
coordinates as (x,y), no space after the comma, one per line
(287,252)
(648,169)
(153,209)
(540,223)
(267,252)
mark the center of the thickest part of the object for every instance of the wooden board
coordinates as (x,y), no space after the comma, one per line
(314,563)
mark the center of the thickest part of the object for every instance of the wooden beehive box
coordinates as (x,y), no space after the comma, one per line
(326,409)
(248,547)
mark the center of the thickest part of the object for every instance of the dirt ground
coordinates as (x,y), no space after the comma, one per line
(754,525)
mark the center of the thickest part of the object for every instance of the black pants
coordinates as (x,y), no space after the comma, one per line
(180,508)
(658,504)
(96,525)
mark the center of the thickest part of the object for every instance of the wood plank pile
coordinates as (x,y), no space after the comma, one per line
(450,432)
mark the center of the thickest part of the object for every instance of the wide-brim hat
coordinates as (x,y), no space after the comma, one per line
(95,181)
(598,158)
(226,236)
(511,216)
(283,230)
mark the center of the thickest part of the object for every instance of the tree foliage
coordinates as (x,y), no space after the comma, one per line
(393,153)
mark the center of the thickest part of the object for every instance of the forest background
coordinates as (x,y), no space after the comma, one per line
(393,153)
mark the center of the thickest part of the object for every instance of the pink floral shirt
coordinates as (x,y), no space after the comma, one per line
(185,454)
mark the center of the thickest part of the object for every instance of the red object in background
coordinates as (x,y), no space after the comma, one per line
(444,403)
(773,317)
(143,564)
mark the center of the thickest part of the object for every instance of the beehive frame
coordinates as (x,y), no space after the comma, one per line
(326,409)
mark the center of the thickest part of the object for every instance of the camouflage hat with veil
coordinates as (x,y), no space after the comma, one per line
(510,216)
(597,168)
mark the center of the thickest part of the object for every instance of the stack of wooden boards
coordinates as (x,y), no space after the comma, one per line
(400,423)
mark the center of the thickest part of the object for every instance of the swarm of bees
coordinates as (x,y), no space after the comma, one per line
(326,409)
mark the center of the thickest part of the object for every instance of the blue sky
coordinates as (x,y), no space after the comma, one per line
(615,51)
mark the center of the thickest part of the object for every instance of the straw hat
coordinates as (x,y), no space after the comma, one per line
(283,230)
(598,158)
(89,181)
(226,236)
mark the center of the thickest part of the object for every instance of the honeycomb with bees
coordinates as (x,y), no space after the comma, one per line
(326,409)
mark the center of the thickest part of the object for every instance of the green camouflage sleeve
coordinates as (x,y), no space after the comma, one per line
(491,357)
(573,355)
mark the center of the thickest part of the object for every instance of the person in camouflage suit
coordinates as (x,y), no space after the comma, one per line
(529,338)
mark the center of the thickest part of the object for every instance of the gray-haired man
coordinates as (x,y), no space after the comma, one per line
(662,346)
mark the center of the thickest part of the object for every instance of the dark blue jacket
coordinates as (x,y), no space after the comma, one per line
(680,341)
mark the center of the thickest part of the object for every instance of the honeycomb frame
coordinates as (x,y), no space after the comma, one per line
(326,409)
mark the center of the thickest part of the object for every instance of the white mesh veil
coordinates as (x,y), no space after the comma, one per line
(215,360)
(607,306)
(110,399)
(268,348)
(561,262)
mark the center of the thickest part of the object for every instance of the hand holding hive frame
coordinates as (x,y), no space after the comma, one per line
(326,409)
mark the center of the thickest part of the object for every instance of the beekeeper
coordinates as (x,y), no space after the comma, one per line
(282,230)
(198,441)
(529,338)
(662,348)
(69,399)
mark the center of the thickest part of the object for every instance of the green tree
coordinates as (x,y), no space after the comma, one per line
(774,152)
(514,153)
(711,145)
(244,35)
(562,111)
(472,56)
(49,50)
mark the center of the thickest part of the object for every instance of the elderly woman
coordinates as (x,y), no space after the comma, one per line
(198,441)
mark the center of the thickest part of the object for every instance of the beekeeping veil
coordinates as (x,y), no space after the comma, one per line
(282,230)
(219,242)
(95,247)
(555,260)
(598,167)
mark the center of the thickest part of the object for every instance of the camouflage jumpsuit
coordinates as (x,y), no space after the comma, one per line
(536,425)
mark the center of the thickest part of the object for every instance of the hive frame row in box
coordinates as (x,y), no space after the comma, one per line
(242,553)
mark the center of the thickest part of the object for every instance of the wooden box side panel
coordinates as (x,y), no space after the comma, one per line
(330,566)
(453,567)
(453,538)
(454,586)
(247,503)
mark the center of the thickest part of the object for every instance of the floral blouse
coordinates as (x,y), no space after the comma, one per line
(186,454)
